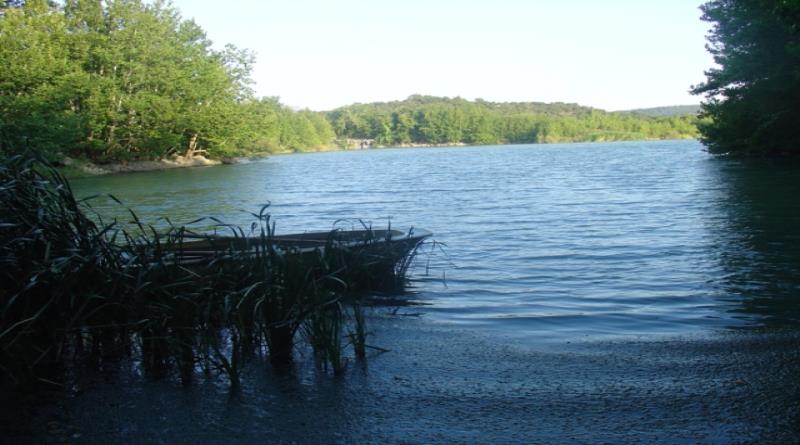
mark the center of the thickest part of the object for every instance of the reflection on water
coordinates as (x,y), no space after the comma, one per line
(758,239)
(543,241)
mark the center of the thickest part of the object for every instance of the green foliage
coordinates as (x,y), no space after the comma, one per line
(435,120)
(752,97)
(126,79)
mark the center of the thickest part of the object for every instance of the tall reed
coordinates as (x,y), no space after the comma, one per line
(73,287)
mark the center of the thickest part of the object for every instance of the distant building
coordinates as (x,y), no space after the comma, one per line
(358,143)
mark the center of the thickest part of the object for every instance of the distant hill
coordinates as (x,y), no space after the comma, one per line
(431,120)
(417,101)
(674,110)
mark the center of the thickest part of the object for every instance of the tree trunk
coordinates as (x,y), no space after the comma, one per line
(192,147)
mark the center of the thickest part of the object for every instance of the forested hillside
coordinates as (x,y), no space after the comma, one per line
(437,120)
(674,110)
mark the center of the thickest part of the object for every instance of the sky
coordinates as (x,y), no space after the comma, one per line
(322,54)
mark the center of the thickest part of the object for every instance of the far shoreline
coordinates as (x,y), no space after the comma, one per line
(74,168)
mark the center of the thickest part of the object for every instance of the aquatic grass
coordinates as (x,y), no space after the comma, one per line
(358,334)
(322,329)
(75,288)
(54,264)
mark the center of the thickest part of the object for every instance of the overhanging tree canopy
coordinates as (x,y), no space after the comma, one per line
(753,96)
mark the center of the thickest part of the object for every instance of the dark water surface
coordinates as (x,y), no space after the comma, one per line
(553,242)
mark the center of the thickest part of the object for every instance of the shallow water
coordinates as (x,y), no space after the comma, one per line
(553,242)
(447,384)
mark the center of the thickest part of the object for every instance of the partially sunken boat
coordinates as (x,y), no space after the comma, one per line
(381,256)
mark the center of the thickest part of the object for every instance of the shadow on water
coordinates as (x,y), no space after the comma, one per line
(289,404)
(757,239)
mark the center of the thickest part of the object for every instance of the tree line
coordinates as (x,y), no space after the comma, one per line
(437,120)
(121,80)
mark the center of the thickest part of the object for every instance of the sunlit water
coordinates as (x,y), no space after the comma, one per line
(548,241)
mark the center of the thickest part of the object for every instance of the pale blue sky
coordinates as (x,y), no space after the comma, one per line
(615,54)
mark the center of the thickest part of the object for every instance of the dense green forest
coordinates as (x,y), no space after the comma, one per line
(127,79)
(121,80)
(436,120)
(753,93)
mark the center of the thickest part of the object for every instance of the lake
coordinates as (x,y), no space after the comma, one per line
(545,242)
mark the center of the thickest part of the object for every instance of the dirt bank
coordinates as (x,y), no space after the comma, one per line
(88,168)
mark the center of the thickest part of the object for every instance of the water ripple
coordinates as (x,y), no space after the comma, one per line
(555,240)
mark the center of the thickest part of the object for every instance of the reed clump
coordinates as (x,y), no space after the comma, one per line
(73,288)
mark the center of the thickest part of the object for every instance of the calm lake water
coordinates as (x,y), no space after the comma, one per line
(555,242)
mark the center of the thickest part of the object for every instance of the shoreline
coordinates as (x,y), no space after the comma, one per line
(78,168)
(459,385)
(88,168)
